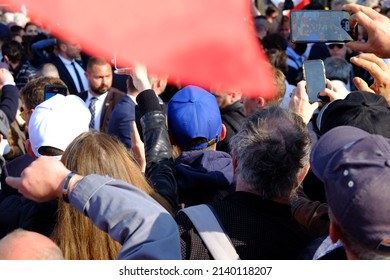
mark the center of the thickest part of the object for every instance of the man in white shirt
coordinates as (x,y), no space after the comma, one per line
(100,97)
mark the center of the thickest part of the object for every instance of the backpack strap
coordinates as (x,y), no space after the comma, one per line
(211,232)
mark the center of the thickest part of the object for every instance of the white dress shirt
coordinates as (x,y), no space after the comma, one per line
(98,107)
(69,67)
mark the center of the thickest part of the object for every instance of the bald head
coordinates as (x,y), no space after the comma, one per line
(27,245)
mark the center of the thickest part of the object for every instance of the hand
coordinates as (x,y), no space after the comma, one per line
(378,69)
(42,180)
(299,102)
(332,92)
(140,77)
(377,27)
(6,77)
(138,147)
(19,119)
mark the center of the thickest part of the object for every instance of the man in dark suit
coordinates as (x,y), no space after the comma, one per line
(127,110)
(101,98)
(123,114)
(69,69)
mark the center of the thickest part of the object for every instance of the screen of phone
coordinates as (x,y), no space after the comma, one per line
(314,75)
(321,26)
(50,91)
(49,95)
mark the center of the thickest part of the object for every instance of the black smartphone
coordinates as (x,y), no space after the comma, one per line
(50,91)
(314,75)
(310,26)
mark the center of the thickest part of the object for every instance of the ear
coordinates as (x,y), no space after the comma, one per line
(334,232)
(29,150)
(6,59)
(303,174)
(234,161)
(261,102)
(87,76)
(63,47)
(223,133)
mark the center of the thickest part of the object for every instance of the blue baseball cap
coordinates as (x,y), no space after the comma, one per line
(193,113)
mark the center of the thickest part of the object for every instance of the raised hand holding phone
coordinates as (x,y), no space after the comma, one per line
(377,27)
(299,102)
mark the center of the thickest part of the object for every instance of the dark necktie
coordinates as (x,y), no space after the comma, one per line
(78,77)
(92,110)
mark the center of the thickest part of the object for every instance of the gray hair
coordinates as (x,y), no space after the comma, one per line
(337,68)
(272,149)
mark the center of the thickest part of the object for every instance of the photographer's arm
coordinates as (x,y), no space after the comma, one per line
(377,27)
(311,214)
(10,95)
(378,69)
(128,215)
(299,102)
(158,149)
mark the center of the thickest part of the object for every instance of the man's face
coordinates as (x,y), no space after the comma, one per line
(338,50)
(261,25)
(223,99)
(73,50)
(99,78)
(32,30)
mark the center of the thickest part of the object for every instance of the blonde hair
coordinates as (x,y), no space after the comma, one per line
(74,233)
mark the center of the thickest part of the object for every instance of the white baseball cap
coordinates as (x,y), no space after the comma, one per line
(57,121)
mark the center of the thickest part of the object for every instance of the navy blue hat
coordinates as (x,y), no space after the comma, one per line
(193,113)
(4,31)
(354,166)
(365,110)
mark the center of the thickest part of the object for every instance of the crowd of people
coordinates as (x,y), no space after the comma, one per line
(139,168)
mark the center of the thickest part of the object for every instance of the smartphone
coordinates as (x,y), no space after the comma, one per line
(314,75)
(310,26)
(50,91)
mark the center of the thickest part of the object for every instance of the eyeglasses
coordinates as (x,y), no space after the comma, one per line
(332,46)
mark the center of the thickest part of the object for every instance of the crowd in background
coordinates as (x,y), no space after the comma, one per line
(131,166)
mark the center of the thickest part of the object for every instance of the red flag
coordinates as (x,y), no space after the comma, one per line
(299,4)
(202,42)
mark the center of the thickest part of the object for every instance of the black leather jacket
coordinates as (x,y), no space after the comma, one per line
(158,150)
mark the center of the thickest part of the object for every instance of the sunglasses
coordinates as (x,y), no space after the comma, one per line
(332,46)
